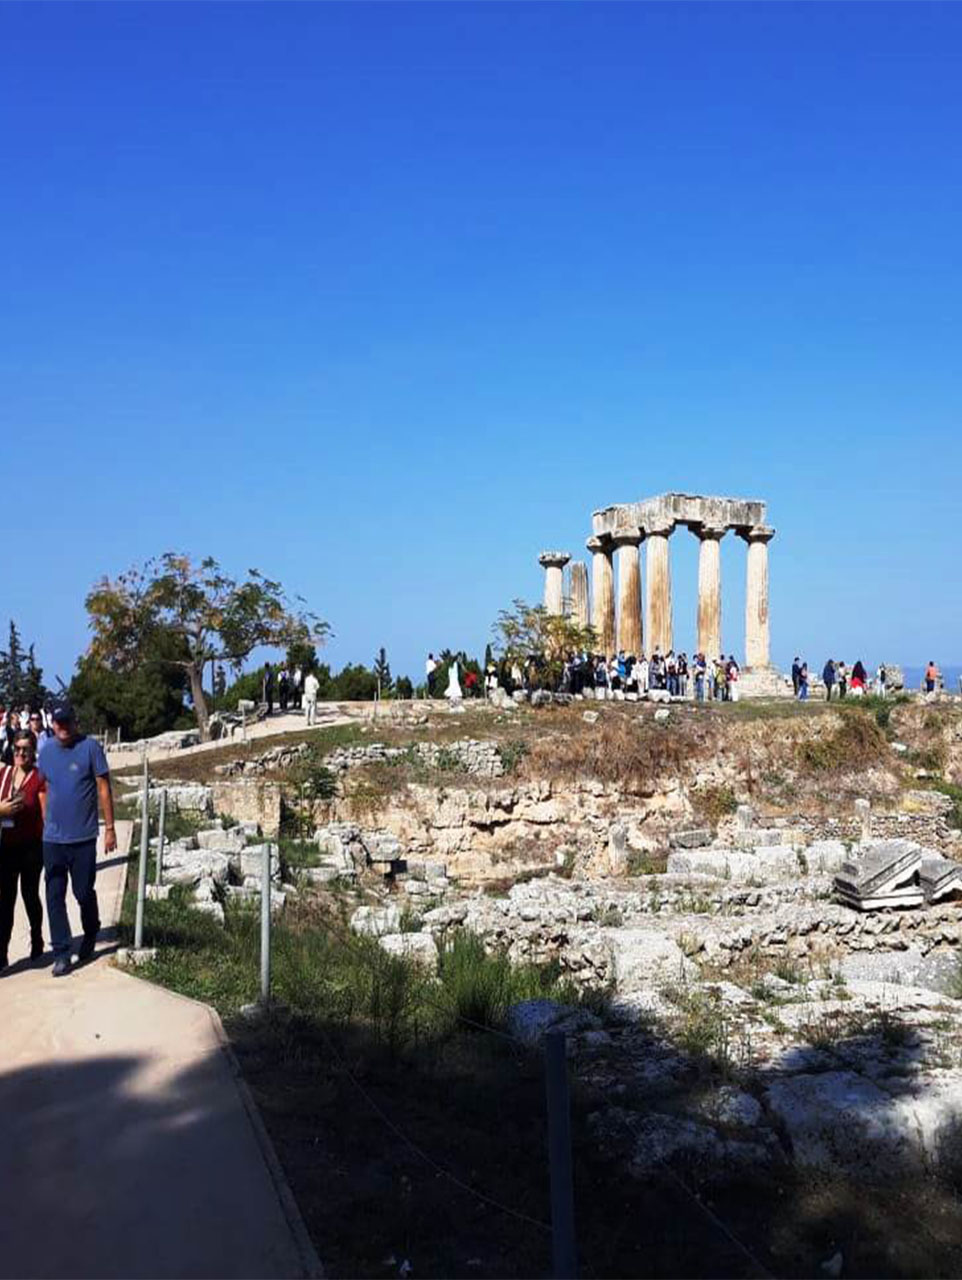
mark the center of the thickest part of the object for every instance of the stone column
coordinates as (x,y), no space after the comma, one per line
(602,595)
(756,596)
(658,589)
(709,590)
(579,593)
(553,563)
(630,632)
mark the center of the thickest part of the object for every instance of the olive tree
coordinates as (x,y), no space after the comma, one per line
(201,613)
(527,631)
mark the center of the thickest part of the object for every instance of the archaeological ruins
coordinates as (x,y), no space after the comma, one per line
(617,536)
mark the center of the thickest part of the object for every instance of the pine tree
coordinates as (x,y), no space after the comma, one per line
(34,689)
(382,671)
(11,670)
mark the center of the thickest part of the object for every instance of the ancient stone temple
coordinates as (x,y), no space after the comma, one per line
(642,620)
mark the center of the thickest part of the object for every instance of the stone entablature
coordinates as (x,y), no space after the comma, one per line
(664,513)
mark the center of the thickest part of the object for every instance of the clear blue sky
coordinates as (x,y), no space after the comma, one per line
(385,298)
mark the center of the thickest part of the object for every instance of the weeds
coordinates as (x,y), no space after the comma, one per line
(706,1031)
(512,753)
(711,804)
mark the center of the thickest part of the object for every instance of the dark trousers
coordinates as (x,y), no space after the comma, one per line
(79,861)
(828,693)
(20,866)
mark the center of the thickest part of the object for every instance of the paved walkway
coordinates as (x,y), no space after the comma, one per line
(128,1146)
(328,714)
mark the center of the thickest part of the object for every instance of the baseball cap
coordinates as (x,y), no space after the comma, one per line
(62,712)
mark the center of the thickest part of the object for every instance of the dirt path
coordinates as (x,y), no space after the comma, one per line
(128,1145)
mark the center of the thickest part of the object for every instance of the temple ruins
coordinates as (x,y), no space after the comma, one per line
(642,619)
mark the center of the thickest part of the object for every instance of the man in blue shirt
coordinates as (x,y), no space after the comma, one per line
(75,771)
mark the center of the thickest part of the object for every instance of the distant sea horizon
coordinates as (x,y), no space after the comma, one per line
(951,671)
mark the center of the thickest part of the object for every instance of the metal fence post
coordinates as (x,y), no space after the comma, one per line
(266,924)
(563,1254)
(161,820)
(142,869)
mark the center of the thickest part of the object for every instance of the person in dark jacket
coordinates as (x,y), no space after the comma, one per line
(796,676)
(828,677)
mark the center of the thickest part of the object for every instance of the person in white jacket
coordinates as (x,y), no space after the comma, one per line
(311,688)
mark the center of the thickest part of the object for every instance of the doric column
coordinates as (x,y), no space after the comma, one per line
(709,589)
(553,563)
(756,596)
(630,632)
(602,594)
(658,588)
(579,593)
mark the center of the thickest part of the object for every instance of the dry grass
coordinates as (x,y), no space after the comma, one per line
(856,743)
(628,750)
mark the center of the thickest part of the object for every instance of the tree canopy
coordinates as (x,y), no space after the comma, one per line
(528,631)
(199,613)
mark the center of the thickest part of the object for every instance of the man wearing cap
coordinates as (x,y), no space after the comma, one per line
(77,777)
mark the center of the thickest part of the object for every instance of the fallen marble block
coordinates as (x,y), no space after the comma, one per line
(939,877)
(882,874)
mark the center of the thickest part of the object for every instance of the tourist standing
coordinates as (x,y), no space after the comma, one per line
(841,672)
(931,677)
(283,688)
(10,731)
(268,687)
(859,678)
(21,844)
(311,687)
(698,662)
(430,667)
(796,675)
(828,677)
(297,684)
(880,681)
(77,778)
(803,682)
(732,672)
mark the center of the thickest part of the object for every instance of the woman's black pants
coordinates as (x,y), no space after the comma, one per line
(20,866)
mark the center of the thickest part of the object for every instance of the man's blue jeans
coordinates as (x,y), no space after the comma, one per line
(79,861)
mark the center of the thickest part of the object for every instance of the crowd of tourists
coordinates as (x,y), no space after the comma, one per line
(53,780)
(282,684)
(839,681)
(623,676)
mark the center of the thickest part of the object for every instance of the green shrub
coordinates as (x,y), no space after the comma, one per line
(512,753)
(480,988)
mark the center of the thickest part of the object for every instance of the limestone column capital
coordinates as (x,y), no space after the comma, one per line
(595,543)
(711,532)
(554,559)
(757,533)
(626,537)
(658,528)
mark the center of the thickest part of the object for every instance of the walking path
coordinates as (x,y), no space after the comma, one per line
(128,1144)
(126,755)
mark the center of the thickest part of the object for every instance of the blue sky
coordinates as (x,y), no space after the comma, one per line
(385,298)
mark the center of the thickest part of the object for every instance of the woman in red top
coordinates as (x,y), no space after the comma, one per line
(21,843)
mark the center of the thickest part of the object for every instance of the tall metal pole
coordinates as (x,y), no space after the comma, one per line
(266,924)
(142,869)
(563,1254)
(160,835)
